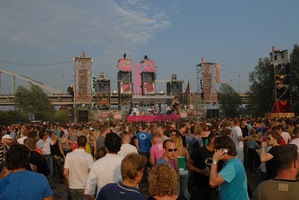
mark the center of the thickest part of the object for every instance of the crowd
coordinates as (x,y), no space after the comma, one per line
(188,159)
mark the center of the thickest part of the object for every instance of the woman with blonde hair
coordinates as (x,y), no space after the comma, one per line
(163,183)
(182,156)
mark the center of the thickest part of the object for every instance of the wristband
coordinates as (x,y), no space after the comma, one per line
(214,162)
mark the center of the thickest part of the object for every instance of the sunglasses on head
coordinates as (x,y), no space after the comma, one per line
(172,150)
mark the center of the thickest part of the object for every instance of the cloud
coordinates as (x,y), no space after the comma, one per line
(51,24)
(46,32)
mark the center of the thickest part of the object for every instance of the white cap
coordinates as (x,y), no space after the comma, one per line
(7,136)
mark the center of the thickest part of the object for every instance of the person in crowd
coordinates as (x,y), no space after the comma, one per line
(8,141)
(76,169)
(64,128)
(259,126)
(273,139)
(156,151)
(107,169)
(238,139)
(126,148)
(100,141)
(101,152)
(72,138)
(36,158)
(56,131)
(169,155)
(285,185)
(182,157)
(232,177)
(143,144)
(132,167)
(12,131)
(143,141)
(227,131)
(161,131)
(163,183)
(24,133)
(245,133)
(252,155)
(44,143)
(296,139)
(182,133)
(199,165)
(285,135)
(173,134)
(195,141)
(58,156)
(20,183)
(205,132)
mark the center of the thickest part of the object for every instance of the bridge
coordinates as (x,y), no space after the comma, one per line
(58,98)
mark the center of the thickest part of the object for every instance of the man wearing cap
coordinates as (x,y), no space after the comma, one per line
(8,141)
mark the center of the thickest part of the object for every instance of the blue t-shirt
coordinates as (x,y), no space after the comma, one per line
(25,185)
(144,141)
(118,191)
(235,184)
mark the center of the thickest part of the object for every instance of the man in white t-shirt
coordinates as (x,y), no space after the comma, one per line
(76,169)
(107,169)
(238,139)
(126,148)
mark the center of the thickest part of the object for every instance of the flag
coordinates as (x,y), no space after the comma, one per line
(187,92)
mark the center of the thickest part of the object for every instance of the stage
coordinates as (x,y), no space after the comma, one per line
(152,118)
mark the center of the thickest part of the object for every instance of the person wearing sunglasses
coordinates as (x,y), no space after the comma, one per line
(169,155)
(273,139)
(285,185)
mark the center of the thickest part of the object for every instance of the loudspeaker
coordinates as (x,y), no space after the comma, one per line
(148,77)
(103,86)
(125,77)
(174,88)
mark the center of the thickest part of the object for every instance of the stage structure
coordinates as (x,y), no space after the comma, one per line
(208,79)
(102,92)
(282,106)
(174,87)
(124,79)
(148,76)
(83,87)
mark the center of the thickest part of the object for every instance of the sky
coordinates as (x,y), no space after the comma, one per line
(39,38)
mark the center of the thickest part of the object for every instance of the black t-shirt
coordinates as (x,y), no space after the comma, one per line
(199,157)
(40,162)
(245,131)
(271,166)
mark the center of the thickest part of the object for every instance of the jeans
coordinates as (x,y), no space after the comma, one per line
(184,183)
(50,165)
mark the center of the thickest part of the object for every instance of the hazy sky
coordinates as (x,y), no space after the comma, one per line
(37,34)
